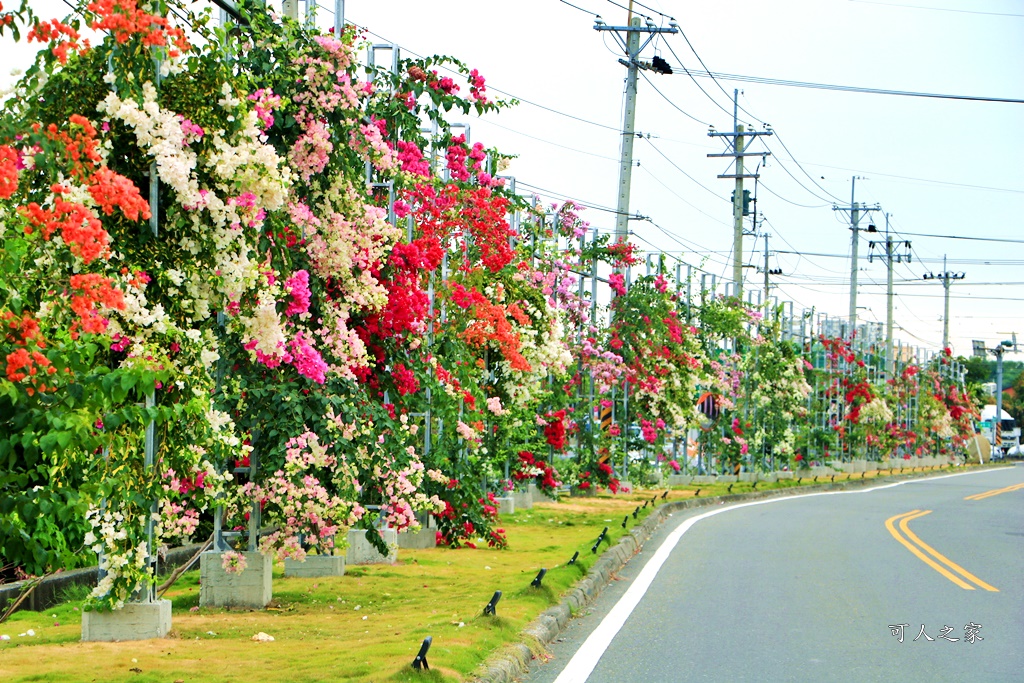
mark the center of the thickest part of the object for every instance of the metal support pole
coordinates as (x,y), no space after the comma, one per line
(339,18)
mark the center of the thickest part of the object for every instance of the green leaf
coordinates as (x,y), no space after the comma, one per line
(128,380)
(48,442)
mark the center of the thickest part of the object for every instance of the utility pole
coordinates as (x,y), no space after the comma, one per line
(947,278)
(768,271)
(997,422)
(854,208)
(631,44)
(736,142)
(890,258)
(890,360)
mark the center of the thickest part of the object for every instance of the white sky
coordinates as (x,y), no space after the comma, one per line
(548,53)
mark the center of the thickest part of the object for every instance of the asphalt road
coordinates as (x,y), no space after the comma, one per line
(814,588)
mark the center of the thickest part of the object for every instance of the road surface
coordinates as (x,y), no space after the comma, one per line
(821,587)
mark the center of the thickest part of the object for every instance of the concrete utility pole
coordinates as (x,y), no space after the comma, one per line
(890,360)
(738,146)
(997,423)
(890,258)
(947,278)
(768,271)
(854,208)
(631,44)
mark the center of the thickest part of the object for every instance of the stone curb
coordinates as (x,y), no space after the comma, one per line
(514,660)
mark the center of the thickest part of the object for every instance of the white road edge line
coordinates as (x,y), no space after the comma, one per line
(582,664)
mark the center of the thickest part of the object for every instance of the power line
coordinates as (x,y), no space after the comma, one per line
(706,93)
(674,105)
(649,9)
(841,88)
(585,11)
(580,202)
(800,166)
(921,180)
(963,237)
(789,201)
(724,91)
(612,2)
(681,198)
(655,148)
(498,90)
(937,9)
(548,142)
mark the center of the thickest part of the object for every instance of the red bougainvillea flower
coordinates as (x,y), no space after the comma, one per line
(89,290)
(8,171)
(124,19)
(111,190)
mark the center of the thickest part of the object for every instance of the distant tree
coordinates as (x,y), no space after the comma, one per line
(979,370)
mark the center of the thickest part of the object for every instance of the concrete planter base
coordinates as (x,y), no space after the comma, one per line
(539,496)
(523,499)
(425,538)
(506,505)
(678,479)
(360,551)
(136,621)
(315,566)
(251,588)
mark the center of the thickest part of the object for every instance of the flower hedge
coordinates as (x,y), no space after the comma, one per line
(245,274)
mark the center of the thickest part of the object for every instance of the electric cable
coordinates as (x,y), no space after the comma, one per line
(673,104)
(841,88)
(936,9)
(680,197)
(676,166)
(498,90)
(548,142)
(706,93)
(585,11)
(800,166)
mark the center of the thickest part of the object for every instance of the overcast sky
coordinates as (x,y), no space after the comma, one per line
(938,166)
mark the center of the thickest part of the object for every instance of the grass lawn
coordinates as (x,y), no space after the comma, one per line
(364,626)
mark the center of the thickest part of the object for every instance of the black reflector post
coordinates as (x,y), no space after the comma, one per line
(489,607)
(421,659)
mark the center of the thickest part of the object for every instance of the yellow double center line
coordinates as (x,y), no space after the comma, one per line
(915,545)
(994,492)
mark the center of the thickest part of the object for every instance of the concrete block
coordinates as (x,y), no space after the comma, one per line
(749,477)
(315,566)
(679,479)
(727,479)
(785,475)
(523,499)
(136,621)
(251,588)
(539,496)
(361,552)
(506,505)
(425,538)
